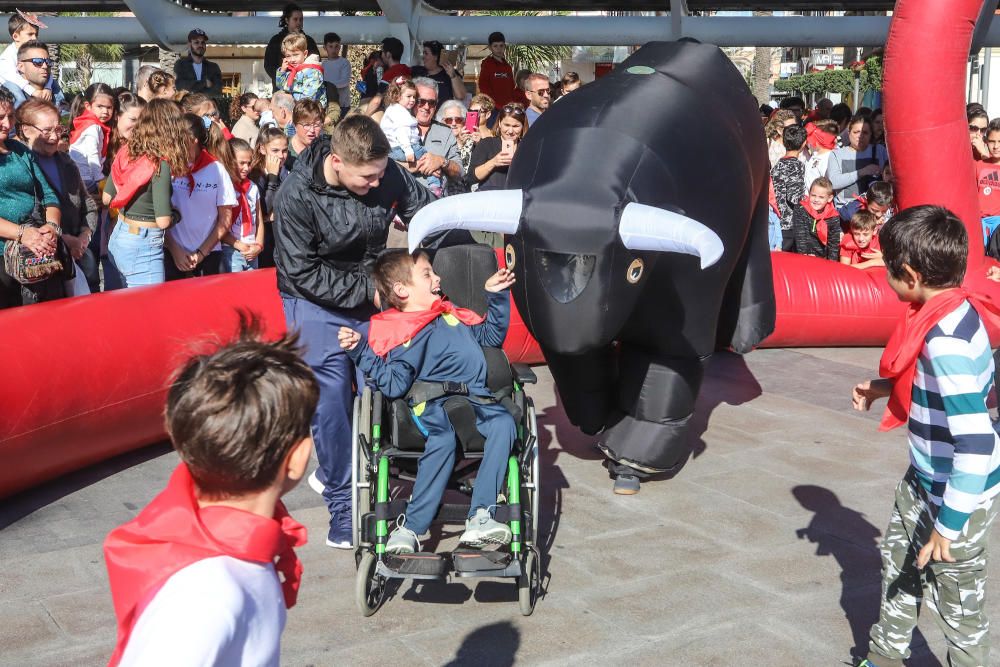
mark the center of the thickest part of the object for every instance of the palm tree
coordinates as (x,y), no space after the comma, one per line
(85,55)
(761,72)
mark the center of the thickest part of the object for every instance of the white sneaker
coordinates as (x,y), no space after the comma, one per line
(482,529)
(315,484)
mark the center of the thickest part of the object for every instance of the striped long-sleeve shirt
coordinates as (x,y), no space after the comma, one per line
(953,444)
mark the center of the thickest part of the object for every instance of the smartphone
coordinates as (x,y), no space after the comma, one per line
(507,146)
(471,121)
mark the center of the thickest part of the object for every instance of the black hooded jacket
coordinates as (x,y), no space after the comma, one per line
(327,238)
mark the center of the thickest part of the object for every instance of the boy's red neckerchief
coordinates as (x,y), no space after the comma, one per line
(392,328)
(899,360)
(173,532)
(820,224)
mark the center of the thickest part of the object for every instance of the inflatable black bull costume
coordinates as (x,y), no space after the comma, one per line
(636,214)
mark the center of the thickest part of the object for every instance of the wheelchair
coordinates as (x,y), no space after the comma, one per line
(387,446)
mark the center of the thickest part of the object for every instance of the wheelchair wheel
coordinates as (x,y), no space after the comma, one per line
(360,479)
(369,587)
(536,486)
(528,582)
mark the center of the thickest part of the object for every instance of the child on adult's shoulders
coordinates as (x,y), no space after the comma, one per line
(860,248)
(195,577)
(301,73)
(816,223)
(425,339)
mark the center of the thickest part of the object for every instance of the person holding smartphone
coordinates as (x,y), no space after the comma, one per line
(492,156)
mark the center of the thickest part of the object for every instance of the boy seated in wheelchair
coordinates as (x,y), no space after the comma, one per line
(424,339)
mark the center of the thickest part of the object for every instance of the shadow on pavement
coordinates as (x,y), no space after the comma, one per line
(495,645)
(22,504)
(853,542)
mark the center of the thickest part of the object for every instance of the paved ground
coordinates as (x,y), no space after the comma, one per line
(762,551)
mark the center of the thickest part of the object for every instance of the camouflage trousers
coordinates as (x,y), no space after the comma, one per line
(954,591)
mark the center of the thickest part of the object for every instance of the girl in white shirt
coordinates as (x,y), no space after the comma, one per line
(205,201)
(88,142)
(244,240)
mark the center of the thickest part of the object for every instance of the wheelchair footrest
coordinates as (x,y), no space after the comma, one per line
(480,561)
(417,564)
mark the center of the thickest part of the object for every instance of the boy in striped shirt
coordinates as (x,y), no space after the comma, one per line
(937,371)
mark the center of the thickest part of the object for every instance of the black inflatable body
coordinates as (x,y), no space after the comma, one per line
(636,222)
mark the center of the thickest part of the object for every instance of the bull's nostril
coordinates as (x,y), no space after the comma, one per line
(564,275)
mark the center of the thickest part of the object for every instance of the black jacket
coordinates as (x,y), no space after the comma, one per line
(273,57)
(78,209)
(806,239)
(327,238)
(187,80)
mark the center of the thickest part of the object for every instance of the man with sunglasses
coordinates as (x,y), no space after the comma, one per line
(23,28)
(195,72)
(34,67)
(539,92)
(437,139)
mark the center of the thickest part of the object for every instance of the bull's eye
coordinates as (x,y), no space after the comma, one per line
(634,271)
(509,256)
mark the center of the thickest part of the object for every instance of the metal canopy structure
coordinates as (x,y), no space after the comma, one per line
(167,23)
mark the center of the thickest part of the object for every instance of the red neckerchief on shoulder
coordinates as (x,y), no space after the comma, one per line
(242,208)
(849,247)
(391,328)
(899,360)
(294,70)
(203,160)
(820,225)
(85,120)
(173,532)
(130,175)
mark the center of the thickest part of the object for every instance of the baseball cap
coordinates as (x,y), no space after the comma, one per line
(197,32)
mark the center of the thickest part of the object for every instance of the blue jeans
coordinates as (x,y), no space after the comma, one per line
(438,461)
(233,261)
(419,151)
(137,258)
(773,229)
(337,377)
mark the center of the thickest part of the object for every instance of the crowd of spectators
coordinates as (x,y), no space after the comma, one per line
(158,181)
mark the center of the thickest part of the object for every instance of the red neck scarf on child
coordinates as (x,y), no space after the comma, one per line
(392,328)
(850,248)
(173,532)
(130,175)
(820,218)
(817,137)
(203,160)
(772,199)
(242,208)
(899,360)
(293,71)
(85,120)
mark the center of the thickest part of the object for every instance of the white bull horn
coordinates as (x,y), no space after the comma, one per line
(649,228)
(490,211)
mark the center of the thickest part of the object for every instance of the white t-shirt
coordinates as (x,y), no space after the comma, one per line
(253,198)
(816,167)
(400,127)
(199,209)
(218,611)
(338,72)
(197,69)
(86,155)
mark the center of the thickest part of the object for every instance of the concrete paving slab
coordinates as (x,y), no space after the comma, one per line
(762,550)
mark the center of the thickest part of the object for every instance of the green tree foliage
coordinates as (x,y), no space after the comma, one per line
(834,80)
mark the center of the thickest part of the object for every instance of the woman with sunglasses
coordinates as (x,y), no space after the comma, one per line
(24,185)
(450,83)
(492,156)
(452,113)
(39,129)
(978,122)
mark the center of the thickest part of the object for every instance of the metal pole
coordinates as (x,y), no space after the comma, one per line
(984,77)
